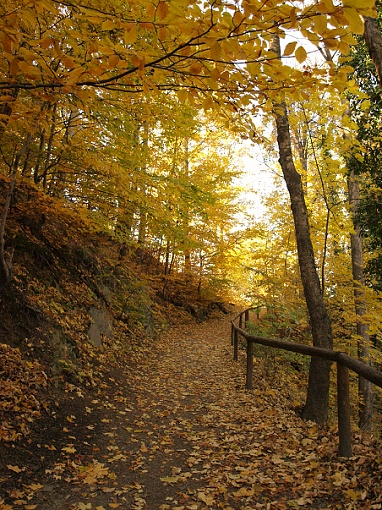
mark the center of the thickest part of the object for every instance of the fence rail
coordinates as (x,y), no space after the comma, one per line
(344,363)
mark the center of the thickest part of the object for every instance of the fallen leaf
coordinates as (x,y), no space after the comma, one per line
(244,492)
(170,479)
(207,499)
(69,449)
(82,506)
(16,469)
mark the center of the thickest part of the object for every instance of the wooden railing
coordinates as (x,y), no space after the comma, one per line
(344,363)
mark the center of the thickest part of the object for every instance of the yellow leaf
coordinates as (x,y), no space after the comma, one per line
(130,35)
(320,24)
(183,95)
(108,25)
(344,48)
(114,505)
(300,54)
(215,51)
(347,69)
(289,48)
(355,21)
(150,11)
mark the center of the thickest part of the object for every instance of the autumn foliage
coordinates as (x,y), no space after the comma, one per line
(125,129)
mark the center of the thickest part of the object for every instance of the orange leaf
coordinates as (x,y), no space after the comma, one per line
(163,10)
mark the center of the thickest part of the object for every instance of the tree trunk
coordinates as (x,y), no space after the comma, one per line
(317,402)
(187,264)
(373,38)
(364,387)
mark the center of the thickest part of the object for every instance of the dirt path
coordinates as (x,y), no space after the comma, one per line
(182,433)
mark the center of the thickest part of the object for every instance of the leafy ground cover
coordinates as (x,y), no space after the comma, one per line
(174,429)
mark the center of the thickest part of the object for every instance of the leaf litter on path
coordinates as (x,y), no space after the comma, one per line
(180,432)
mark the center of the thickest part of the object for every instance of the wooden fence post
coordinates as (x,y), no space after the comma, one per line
(249,377)
(241,321)
(343,405)
(235,345)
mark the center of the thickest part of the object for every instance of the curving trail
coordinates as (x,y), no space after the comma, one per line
(180,432)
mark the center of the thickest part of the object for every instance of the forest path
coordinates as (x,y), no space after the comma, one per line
(180,432)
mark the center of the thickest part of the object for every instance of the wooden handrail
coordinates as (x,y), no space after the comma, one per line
(344,363)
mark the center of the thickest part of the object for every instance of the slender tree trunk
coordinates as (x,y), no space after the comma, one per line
(172,261)
(187,264)
(317,402)
(364,386)
(167,259)
(49,149)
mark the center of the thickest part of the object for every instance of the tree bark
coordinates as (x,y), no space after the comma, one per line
(317,402)
(373,39)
